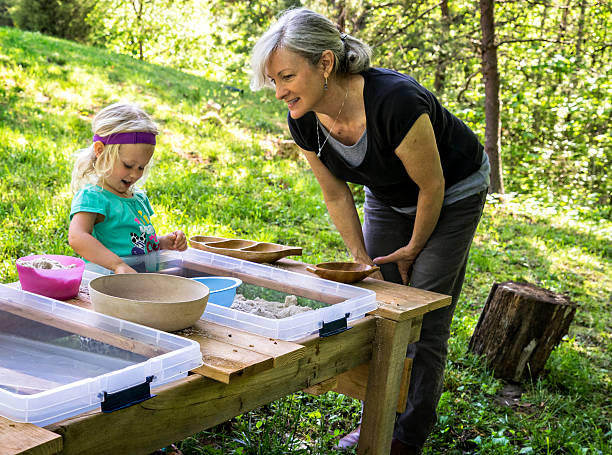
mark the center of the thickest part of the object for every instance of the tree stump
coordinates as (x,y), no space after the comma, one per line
(519,327)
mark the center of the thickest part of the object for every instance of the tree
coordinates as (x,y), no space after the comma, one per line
(490,73)
(61,18)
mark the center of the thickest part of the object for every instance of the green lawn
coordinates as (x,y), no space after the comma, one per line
(216,173)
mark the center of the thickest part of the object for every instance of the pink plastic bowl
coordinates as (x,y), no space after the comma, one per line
(61,284)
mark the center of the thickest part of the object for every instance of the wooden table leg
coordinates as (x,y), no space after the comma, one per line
(386,367)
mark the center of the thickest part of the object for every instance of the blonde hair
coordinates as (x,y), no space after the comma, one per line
(308,34)
(116,118)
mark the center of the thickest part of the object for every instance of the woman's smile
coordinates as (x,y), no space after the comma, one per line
(291,103)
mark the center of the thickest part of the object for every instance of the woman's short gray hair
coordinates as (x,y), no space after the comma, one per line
(308,34)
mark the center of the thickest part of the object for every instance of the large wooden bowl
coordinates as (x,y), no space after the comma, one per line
(164,302)
(343,272)
(248,250)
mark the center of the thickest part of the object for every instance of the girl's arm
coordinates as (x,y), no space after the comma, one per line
(90,248)
(419,154)
(341,207)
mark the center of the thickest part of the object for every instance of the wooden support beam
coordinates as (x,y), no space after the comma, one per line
(384,380)
(322,387)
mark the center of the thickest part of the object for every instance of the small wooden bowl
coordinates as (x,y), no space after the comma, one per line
(343,272)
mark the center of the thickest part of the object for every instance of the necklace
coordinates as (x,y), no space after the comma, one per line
(319,145)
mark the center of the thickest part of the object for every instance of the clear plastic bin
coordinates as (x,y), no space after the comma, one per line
(58,360)
(331,301)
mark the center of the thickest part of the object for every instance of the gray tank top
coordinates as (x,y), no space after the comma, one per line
(473,184)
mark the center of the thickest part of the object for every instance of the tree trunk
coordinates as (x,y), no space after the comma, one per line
(519,327)
(580,36)
(443,56)
(490,75)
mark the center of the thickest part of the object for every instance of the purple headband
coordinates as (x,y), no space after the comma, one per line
(126,138)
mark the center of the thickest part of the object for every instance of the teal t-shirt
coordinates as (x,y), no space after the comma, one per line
(126,229)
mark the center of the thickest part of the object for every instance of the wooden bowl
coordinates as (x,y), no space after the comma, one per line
(343,272)
(269,252)
(206,239)
(164,302)
(232,244)
(248,250)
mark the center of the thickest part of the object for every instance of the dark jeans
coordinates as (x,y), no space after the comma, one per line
(440,267)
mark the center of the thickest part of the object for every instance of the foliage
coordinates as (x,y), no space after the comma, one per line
(5,16)
(217,173)
(556,94)
(554,62)
(62,18)
(143,28)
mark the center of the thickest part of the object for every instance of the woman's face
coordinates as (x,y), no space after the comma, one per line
(297,82)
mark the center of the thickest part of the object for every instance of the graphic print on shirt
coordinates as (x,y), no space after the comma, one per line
(145,241)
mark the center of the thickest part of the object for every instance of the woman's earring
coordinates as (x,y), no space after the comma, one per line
(325,85)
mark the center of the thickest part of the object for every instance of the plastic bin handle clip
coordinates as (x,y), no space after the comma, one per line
(334,327)
(127,397)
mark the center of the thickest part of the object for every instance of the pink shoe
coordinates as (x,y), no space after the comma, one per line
(350,440)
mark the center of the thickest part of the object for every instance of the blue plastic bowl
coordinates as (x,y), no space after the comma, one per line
(222,289)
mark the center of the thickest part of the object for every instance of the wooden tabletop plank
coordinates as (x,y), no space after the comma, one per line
(223,361)
(395,301)
(282,352)
(26,438)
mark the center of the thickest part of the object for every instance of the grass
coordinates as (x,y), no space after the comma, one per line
(216,174)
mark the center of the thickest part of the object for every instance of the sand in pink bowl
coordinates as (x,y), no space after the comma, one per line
(61,284)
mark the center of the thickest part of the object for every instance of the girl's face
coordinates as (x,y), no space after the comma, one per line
(297,82)
(128,168)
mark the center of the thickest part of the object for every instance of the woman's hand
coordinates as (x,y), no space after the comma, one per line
(174,241)
(403,257)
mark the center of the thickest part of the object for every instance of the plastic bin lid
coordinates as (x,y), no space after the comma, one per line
(58,360)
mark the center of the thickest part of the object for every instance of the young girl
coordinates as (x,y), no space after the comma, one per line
(109,217)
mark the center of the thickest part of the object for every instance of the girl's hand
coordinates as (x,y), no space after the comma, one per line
(403,257)
(175,241)
(123,268)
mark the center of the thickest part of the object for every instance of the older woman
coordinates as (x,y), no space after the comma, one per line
(424,171)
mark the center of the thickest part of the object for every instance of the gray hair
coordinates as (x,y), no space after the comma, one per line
(308,34)
(116,118)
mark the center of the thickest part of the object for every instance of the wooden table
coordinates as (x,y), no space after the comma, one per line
(243,371)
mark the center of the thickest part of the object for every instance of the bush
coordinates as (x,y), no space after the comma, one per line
(5,16)
(61,18)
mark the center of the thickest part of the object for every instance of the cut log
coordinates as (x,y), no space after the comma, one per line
(519,327)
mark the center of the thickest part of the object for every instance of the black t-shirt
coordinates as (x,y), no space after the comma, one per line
(393,102)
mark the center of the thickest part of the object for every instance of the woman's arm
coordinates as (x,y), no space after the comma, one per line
(419,154)
(341,207)
(90,248)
